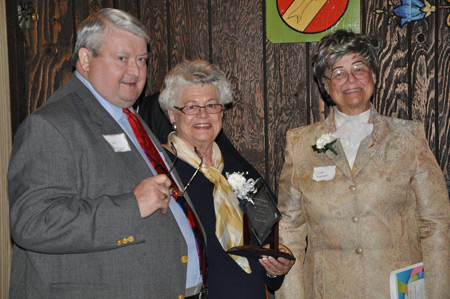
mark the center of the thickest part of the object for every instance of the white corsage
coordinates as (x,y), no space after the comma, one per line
(324,143)
(241,186)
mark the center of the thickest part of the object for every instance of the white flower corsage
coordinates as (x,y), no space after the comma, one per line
(242,187)
(324,143)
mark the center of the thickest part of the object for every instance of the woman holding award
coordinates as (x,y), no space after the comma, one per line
(194,96)
(361,194)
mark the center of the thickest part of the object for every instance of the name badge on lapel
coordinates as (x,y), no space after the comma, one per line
(118,142)
(324,173)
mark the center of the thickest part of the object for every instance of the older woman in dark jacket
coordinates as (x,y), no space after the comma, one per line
(193,97)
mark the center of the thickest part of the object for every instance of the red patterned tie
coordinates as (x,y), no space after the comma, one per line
(155,159)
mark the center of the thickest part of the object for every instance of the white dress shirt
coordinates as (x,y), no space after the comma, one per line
(351,130)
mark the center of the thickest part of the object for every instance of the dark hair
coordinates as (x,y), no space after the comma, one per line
(91,31)
(336,45)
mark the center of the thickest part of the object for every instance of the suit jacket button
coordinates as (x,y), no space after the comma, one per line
(125,241)
(180,297)
(358,250)
(184,259)
(130,239)
(355,219)
(119,242)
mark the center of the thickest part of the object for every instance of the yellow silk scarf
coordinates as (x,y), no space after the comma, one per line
(229,218)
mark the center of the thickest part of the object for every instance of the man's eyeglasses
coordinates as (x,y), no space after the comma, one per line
(195,109)
(340,76)
(175,191)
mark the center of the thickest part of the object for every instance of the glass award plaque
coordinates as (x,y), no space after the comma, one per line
(261,210)
(261,216)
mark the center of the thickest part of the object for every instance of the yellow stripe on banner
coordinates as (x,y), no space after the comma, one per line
(301,12)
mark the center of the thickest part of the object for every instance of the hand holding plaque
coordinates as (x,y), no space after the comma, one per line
(260,210)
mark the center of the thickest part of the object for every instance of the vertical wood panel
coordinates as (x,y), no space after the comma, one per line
(133,7)
(318,110)
(189,35)
(287,100)
(183,35)
(392,89)
(237,49)
(154,16)
(48,51)
(82,9)
(443,89)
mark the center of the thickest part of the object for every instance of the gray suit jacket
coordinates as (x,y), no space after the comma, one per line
(75,221)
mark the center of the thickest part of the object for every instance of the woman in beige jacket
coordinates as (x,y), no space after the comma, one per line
(361,194)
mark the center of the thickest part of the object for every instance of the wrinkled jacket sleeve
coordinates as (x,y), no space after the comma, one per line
(292,225)
(434,224)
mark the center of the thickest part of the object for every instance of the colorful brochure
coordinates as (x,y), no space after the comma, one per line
(408,282)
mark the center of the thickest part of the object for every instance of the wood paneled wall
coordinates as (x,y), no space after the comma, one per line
(273,83)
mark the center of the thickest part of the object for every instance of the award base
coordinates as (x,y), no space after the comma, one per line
(254,251)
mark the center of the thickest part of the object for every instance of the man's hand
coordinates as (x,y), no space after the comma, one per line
(153,194)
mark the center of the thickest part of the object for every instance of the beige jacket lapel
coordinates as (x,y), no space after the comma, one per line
(367,149)
(339,160)
(372,143)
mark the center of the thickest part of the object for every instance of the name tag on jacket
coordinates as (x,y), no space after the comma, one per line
(324,173)
(118,142)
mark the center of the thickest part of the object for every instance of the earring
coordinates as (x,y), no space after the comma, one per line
(174,126)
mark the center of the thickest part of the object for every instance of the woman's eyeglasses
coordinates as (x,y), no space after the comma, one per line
(340,76)
(178,192)
(195,109)
(175,191)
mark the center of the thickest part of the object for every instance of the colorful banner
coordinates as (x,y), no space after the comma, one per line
(290,21)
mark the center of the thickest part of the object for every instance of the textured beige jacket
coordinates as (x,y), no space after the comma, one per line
(349,231)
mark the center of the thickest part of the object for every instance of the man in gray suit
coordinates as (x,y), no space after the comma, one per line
(90,217)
